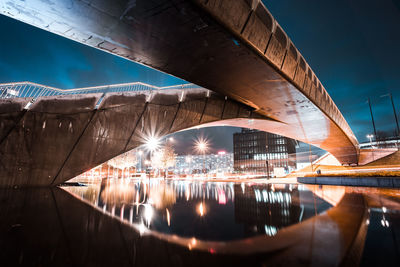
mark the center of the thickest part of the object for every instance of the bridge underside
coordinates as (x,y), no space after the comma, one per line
(60,137)
(234,48)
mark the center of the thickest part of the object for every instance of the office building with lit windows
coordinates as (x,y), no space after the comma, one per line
(210,163)
(252,150)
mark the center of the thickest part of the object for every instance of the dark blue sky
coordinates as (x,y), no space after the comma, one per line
(352,46)
(31,54)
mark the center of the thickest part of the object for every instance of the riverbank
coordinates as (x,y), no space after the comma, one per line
(387,182)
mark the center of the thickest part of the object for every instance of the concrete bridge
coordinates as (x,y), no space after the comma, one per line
(235,48)
(51,139)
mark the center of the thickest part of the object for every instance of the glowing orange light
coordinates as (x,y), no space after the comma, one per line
(201,209)
(168,217)
(201,145)
(152,143)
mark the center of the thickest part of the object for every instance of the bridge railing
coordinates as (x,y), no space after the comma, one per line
(34,90)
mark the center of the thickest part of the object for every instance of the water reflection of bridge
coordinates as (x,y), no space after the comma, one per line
(261,209)
(81,234)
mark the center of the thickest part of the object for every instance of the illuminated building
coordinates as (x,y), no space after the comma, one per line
(212,163)
(253,148)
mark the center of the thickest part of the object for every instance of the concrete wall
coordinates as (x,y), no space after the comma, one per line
(60,137)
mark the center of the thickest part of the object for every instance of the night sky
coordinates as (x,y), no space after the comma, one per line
(352,46)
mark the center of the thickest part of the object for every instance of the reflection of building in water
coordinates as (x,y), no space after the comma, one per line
(176,206)
(252,148)
(263,210)
(221,193)
(221,162)
(131,200)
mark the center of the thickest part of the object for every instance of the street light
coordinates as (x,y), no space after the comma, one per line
(370,136)
(152,143)
(140,152)
(201,145)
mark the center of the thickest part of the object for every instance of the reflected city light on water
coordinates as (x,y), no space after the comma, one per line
(229,211)
(200,209)
(168,217)
(148,214)
(212,219)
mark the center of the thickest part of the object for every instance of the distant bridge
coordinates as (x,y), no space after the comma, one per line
(34,90)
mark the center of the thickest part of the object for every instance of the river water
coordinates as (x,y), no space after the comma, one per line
(196,223)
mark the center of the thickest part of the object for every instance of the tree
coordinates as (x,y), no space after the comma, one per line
(123,161)
(163,158)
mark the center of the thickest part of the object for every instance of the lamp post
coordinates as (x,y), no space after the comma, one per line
(372,118)
(203,149)
(202,146)
(395,116)
(140,152)
(152,144)
(370,136)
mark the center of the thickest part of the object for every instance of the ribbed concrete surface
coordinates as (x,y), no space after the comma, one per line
(60,137)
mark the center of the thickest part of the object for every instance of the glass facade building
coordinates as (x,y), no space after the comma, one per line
(252,150)
(212,163)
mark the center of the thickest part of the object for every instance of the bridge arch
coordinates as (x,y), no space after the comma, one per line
(60,137)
